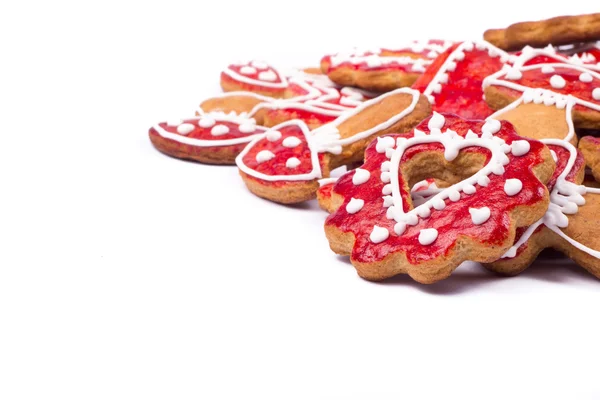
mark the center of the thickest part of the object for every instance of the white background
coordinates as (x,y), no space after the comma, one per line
(126,274)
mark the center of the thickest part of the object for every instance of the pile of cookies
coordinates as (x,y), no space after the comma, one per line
(426,155)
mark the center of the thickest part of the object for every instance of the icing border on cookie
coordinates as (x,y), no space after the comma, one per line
(314,156)
(219,117)
(449,65)
(565,198)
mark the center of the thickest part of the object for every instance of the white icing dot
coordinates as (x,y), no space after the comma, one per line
(557,82)
(469,189)
(379,234)
(291,141)
(247,127)
(264,155)
(454,195)
(520,147)
(471,135)
(219,130)
(513,74)
(387,189)
(438,204)
(586,77)
(354,205)
(248,70)
(292,162)
(384,143)
(423,211)
(479,215)
(419,133)
(399,228)
(360,176)
(437,121)
(388,201)
(546,69)
(596,94)
(512,186)
(491,126)
(259,64)
(386,166)
(273,136)
(185,129)
(206,122)
(483,181)
(268,76)
(497,169)
(411,219)
(385,177)
(554,156)
(428,236)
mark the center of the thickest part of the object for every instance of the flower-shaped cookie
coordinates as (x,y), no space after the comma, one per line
(496,183)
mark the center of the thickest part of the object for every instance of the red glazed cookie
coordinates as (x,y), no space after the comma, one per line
(545,99)
(285,165)
(570,224)
(497,185)
(453,82)
(255,76)
(382,70)
(311,98)
(213,138)
(590,148)
(556,31)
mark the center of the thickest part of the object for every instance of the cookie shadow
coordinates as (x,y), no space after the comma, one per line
(551,266)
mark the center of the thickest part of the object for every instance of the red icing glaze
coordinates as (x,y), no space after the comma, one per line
(310,117)
(462,94)
(452,222)
(205,134)
(535,78)
(277,165)
(255,83)
(324,191)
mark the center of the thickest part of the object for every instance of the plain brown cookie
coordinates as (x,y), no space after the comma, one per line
(555,31)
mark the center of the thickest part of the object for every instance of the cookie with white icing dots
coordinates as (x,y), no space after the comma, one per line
(545,95)
(212,138)
(496,186)
(286,163)
(382,69)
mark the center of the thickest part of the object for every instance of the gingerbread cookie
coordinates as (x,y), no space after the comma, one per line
(212,138)
(382,70)
(496,183)
(555,31)
(545,99)
(453,82)
(590,148)
(570,224)
(285,165)
(311,98)
(255,76)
